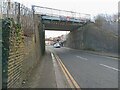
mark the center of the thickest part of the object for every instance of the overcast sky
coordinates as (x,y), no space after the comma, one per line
(92,7)
(83,6)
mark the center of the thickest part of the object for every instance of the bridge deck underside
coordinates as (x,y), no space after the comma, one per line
(61,25)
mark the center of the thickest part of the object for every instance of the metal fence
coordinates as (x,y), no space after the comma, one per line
(58,13)
(18,45)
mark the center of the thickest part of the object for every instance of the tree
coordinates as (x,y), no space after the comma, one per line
(99,20)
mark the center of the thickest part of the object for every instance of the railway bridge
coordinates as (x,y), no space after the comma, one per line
(58,20)
(22,37)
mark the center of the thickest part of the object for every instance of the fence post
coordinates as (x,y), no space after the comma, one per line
(1,46)
(33,11)
(8,9)
(18,15)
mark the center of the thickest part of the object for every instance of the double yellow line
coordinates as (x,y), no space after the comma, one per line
(73,84)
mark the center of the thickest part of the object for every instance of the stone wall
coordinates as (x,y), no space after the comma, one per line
(21,50)
(90,37)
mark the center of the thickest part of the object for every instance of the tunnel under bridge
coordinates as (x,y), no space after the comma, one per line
(58,20)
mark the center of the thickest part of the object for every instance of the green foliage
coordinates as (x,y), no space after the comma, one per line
(11,33)
(6,27)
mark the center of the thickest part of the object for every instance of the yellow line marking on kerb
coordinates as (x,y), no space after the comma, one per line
(70,79)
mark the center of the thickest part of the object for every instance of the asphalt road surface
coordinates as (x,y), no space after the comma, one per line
(89,70)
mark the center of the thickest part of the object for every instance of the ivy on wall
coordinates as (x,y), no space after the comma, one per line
(12,51)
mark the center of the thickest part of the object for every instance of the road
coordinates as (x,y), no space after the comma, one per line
(89,70)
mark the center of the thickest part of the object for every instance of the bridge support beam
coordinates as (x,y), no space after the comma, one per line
(42,36)
(39,35)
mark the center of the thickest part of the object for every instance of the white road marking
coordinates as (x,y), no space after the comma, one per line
(112,58)
(82,58)
(59,78)
(115,58)
(109,67)
(57,73)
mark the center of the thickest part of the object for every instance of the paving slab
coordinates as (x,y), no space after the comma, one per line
(43,76)
(47,74)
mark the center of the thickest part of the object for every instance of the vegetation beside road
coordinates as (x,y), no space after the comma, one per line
(99,36)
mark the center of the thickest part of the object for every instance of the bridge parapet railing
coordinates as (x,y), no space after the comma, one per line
(60,13)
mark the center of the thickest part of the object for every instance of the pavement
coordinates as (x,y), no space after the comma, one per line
(47,74)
